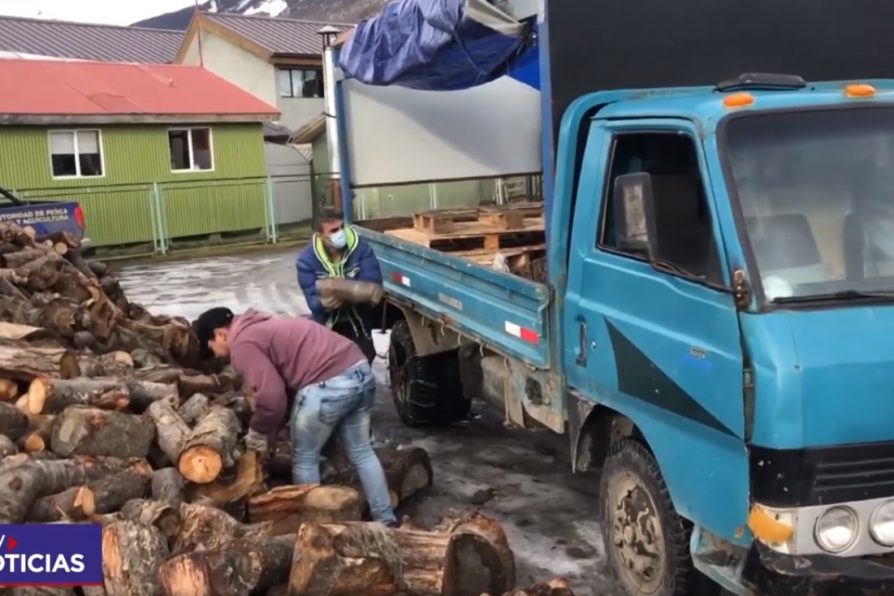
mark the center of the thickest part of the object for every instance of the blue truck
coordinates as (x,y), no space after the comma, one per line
(46,217)
(714,333)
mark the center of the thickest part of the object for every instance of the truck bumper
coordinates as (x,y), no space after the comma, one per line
(822,572)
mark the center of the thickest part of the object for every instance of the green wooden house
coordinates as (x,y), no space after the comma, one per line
(152,152)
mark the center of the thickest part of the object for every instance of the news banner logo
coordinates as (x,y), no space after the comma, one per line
(50,555)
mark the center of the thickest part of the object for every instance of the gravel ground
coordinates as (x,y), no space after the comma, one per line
(523,479)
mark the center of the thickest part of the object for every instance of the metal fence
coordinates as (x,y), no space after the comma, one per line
(161,213)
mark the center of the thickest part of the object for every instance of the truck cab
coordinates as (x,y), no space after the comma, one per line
(711,332)
(729,279)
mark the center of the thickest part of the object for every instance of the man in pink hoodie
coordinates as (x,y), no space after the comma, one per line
(326,378)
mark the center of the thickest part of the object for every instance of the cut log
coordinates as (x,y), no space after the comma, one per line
(15,260)
(90,431)
(209,447)
(102,466)
(368,558)
(171,430)
(65,238)
(112,364)
(131,556)
(237,569)
(24,363)
(480,538)
(193,384)
(73,504)
(238,404)
(42,273)
(9,390)
(13,276)
(206,528)
(143,394)
(287,507)
(144,358)
(112,492)
(407,471)
(38,437)
(556,587)
(7,446)
(41,591)
(51,396)
(13,421)
(167,486)
(24,479)
(84,340)
(16,332)
(249,479)
(194,408)
(164,516)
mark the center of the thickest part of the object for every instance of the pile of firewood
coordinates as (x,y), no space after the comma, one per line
(104,418)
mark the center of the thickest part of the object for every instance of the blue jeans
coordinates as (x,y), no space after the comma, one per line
(340,404)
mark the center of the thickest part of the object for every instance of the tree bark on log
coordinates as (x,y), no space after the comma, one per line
(90,431)
(113,364)
(193,384)
(17,332)
(167,486)
(209,447)
(131,556)
(407,471)
(24,479)
(164,516)
(249,478)
(24,363)
(42,273)
(171,431)
(14,260)
(368,558)
(206,528)
(73,504)
(51,396)
(9,390)
(39,434)
(112,492)
(237,569)
(13,422)
(7,447)
(194,408)
(41,591)
(143,394)
(287,507)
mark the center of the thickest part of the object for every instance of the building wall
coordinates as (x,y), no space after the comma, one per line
(290,177)
(236,65)
(139,199)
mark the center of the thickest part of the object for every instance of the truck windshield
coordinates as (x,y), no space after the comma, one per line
(816,189)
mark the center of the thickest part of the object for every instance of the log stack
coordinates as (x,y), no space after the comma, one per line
(106,418)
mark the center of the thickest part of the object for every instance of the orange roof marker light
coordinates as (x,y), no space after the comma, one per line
(738,100)
(859,90)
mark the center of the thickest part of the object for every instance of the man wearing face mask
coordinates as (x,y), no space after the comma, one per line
(337,251)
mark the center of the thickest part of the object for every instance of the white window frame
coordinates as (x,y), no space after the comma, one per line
(192,161)
(74,132)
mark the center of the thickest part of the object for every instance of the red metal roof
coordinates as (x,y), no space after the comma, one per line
(97,89)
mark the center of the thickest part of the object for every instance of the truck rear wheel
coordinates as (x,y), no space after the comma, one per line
(426,390)
(647,542)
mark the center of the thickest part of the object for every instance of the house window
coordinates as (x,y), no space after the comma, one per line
(190,149)
(301,82)
(76,153)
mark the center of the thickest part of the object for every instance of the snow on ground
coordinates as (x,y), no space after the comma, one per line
(522,479)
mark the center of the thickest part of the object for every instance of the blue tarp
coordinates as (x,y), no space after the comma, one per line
(429,44)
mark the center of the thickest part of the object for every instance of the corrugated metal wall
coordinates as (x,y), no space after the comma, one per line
(118,206)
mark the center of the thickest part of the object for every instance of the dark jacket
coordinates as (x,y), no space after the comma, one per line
(358,262)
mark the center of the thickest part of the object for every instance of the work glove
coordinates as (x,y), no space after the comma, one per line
(331,302)
(255,441)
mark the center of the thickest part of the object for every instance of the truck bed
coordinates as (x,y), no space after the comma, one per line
(505,312)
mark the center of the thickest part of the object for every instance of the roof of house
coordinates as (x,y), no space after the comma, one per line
(53,91)
(107,43)
(277,35)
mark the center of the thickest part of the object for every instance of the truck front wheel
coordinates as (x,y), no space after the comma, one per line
(426,389)
(647,542)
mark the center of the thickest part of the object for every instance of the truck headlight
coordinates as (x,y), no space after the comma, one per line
(836,529)
(881,524)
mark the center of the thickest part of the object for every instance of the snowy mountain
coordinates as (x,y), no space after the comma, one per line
(336,11)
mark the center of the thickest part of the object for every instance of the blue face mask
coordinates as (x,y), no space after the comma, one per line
(338,239)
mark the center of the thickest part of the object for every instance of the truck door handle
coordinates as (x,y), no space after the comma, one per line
(582,344)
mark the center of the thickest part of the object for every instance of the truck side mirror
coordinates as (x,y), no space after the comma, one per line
(634,214)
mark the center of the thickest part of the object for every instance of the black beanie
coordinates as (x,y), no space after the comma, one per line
(208,321)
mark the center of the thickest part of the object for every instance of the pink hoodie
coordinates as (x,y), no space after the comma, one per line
(279,356)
